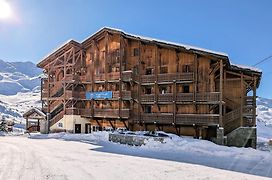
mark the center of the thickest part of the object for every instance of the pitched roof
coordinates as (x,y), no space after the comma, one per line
(34,110)
(156,41)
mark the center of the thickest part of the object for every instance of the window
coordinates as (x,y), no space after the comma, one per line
(136,52)
(163,90)
(149,71)
(148,109)
(164,70)
(186,68)
(60,125)
(148,90)
(186,89)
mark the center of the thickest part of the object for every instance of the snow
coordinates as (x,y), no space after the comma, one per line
(91,156)
(182,150)
(18,77)
(14,106)
(57,48)
(247,67)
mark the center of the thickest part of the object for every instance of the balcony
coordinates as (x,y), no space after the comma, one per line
(72,111)
(163,98)
(85,112)
(99,77)
(185,76)
(146,79)
(185,97)
(127,76)
(85,78)
(148,98)
(111,113)
(169,77)
(113,76)
(157,118)
(126,95)
(208,96)
(201,119)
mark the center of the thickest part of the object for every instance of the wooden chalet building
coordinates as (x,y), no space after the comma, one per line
(115,79)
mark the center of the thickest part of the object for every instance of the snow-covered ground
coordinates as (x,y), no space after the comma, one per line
(91,156)
(13,106)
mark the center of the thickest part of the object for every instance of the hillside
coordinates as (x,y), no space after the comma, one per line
(18,77)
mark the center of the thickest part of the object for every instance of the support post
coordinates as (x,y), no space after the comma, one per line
(221,95)
(242,99)
(26,123)
(254,102)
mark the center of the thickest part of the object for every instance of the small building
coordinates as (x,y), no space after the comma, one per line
(35,121)
(116,79)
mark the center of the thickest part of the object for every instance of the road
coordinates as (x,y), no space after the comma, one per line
(27,159)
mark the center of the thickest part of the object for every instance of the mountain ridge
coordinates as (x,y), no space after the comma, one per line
(18,77)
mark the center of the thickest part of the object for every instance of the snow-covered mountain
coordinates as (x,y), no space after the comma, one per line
(19,88)
(18,77)
(264,119)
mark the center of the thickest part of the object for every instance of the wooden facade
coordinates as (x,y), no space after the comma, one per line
(155,85)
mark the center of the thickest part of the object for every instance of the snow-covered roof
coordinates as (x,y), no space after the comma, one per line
(188,47)
(62,45)
(37,110)
(244,67)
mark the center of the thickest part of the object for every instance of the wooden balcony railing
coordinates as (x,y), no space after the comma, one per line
(127,76)
(84,78)
(85,112)
(159,118)
(148,78)
(99,77)
(72,111)
(125,95)
(115,94)
(185,76)
(148,98)
(114,76)
(208,96)
(203,119)
(165,118)
(168,97)
(111,113)
(182,97)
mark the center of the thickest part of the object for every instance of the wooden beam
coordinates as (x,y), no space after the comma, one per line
(254,101)
(242,99)
(221,94)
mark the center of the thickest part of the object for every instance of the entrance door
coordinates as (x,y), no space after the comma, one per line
(88,128)
(77,128)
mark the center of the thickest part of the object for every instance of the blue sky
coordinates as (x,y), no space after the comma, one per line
(241,28)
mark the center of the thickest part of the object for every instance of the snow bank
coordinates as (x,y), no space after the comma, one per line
(179,149)
(94,137)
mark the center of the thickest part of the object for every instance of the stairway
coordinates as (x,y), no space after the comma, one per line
(57,115)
